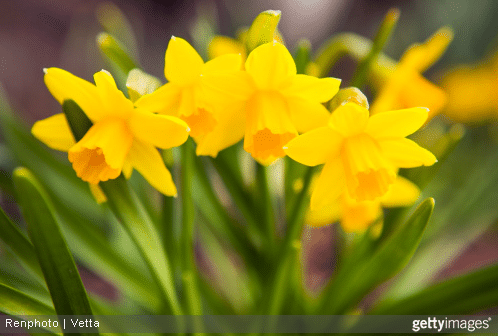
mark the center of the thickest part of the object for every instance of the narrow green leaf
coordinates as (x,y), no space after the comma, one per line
(140,83)
(13,302)
(262,29)
(18,244)
(351,284)
(62,277)
(461,295)
(77,119)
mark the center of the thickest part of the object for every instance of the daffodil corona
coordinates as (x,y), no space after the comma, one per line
(122,137)
(274,103)
(360,153)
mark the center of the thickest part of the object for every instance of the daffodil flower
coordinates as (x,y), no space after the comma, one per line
(472,90)
(406,87)
(357,216)
(274,103)
(122,137)
(360,153)
(183,95)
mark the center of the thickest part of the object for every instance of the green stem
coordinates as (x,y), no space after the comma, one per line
(266,201)
(290,245)
(353,45)
(136,221)
(189,275)
(383,35)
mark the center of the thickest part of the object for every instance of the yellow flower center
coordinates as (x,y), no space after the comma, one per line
(368,174)
(200,123)
(100,154)
(269,127)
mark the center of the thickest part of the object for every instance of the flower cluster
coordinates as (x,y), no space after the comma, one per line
(263,101)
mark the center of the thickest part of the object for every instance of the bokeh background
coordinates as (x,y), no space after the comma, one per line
(35,34)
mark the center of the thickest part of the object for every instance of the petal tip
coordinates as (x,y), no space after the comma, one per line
(45,70)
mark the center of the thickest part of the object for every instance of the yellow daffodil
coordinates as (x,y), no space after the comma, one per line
(183,95)
(358,216)
(360,153)
(406,87)
(275,103)
(223,45)
(122,137)
(472,90)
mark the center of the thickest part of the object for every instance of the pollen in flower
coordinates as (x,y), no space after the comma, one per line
(360,153)
(273,103)
(122,137)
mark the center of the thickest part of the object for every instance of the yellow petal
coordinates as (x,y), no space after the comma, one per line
(164,100)
(324,216)
(64,85)
(218,88)
(232,119)
(268,126)
(311,88)
(419,91)
(54,132)
(349,119)
(225,63)
(420,57)
(307,115)
(97,193)
(329,186)
(396,124)
(358,216)
(159,130)
(183,65)
(315,147)
(405,153)
(222,45)
(270,65)
(148,162)
(101,153)
(114,102)
(402,193)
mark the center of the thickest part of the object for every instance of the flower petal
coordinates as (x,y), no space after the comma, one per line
(307,115)
(233,119)
(324,216)
(97,193)
(421,92)
(64,85)
(405,153)
(315,147)
(148,162)
(54,132)
(396,124)
(270,65)
(402,193)
(159,130)
(349,119)
(223,63)
(222,45)
(330,185)
(183,65)
(114,102)
(311,88)
(358,216)
(164,100)
(220,87)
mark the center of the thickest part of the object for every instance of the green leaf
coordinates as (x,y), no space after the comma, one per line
(76,118)
(18,244)
(353,282)
(262,29)
(461,295)
(60,272)
(140,83)
(13,302)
